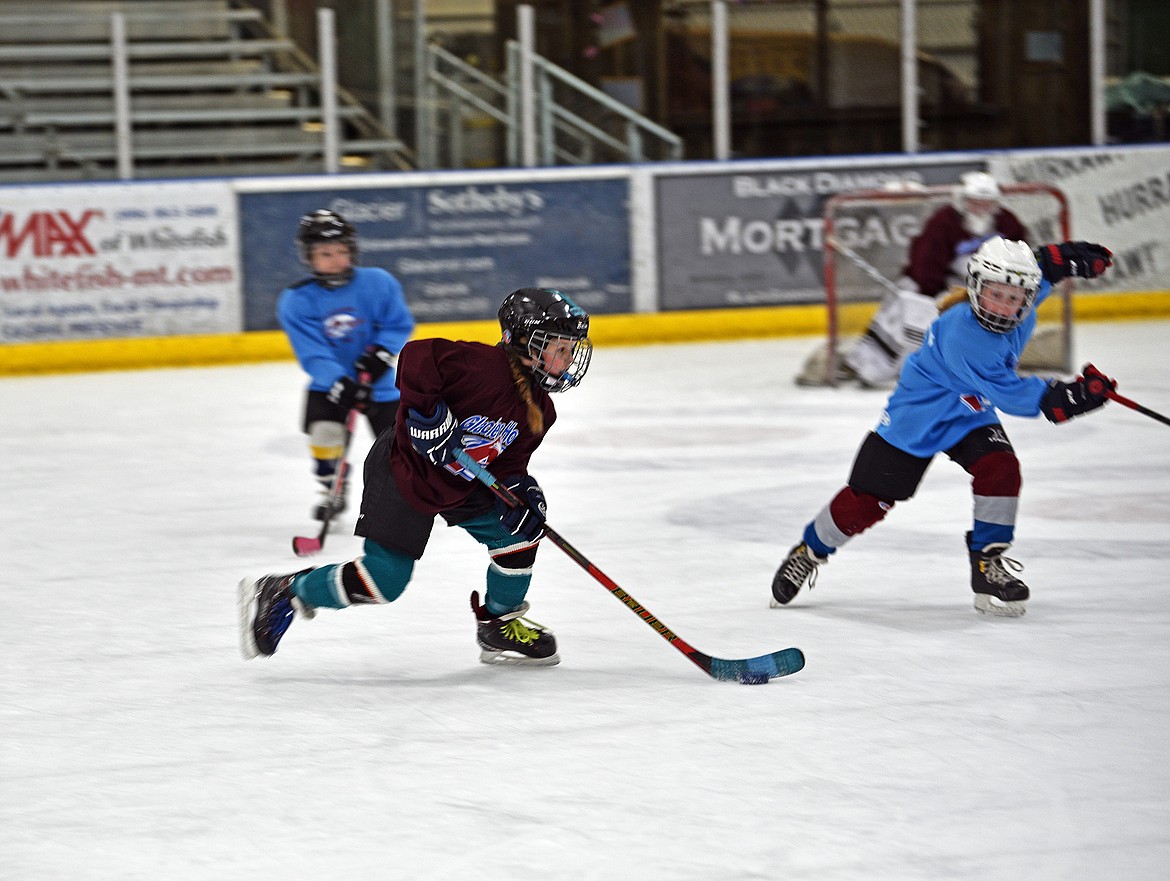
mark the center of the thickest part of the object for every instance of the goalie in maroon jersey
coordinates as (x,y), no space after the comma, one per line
(937,263)
(491,401)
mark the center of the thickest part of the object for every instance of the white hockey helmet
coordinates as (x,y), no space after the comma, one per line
(979,185)
(979,199)
(1003,261)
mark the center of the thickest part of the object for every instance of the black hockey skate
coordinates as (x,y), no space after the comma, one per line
(798,568)
(997,591)
(512,639)
(267,607)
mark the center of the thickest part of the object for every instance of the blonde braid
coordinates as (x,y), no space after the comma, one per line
(523,382)
(954,297)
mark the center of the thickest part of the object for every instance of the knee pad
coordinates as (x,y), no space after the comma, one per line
(917,314)
(996,474)
(853,512)
(326,439)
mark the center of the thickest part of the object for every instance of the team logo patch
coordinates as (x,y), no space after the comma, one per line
(484,440)
(340,325)
(975,403)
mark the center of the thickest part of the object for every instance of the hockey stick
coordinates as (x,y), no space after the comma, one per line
(862,264)
(1097,386)
(304,545)
(1145,411)
(749,671)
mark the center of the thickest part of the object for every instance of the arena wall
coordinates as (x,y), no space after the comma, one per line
(117,276)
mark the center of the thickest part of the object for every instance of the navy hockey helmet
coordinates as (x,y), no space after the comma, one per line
(321,227)
(532,318)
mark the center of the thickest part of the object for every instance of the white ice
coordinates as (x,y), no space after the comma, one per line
(922,741)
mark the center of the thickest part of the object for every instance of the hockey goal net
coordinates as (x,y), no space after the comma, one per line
(867,237)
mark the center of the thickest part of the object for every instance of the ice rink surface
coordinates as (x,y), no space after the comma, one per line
(922,741)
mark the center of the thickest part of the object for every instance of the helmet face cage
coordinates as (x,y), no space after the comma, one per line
(539,341)
(532,319)
(324,227)
(1006,262)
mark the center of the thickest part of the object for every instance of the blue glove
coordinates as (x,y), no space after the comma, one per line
(525,521)
(349,394)
(435,437)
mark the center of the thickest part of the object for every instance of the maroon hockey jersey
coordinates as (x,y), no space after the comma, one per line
(476,382)
(943,240)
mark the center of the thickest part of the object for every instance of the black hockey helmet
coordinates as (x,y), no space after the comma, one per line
(531,318)
(320,227)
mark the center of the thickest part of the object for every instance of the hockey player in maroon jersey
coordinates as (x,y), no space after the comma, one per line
(491,401)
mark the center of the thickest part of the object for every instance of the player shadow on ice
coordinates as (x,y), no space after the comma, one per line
(938,614)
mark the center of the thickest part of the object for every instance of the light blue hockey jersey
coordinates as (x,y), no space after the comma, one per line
(957,381)
(329,328)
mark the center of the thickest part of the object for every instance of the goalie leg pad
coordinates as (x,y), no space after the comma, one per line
(874,360)
(917,314)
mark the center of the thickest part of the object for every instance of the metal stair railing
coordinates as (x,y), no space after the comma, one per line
(610,123)
(450,97)
(577,124)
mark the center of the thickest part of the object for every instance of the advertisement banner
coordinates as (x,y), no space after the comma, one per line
(739,238)
(457,250)
(107,261)
(1119,197)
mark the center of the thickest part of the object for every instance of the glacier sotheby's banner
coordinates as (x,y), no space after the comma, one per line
(117,260)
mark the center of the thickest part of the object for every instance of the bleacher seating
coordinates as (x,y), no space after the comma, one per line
(212,91)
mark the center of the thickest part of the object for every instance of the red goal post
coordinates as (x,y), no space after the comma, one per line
(867,236)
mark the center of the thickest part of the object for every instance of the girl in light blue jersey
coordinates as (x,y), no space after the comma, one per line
(948,400)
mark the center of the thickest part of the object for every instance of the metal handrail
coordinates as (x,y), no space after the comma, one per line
(550,111)
(453,86)
(456,88)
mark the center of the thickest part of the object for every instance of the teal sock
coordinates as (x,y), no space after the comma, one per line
(505,593)
(316,587)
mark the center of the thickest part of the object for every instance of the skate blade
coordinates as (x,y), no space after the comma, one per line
(247,608)
(306,611)
(988,605)
(511,659)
